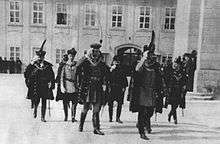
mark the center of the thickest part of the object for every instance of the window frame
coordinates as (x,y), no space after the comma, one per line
(117,15)
(38,11)
(14,11)
(170,17)
(144,16)
(13,53)
(91,5)
(68,16)
(58,59)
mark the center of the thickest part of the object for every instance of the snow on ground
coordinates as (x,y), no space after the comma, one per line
(200,124)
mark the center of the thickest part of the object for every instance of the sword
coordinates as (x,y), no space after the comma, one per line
(49,107)
(182,112)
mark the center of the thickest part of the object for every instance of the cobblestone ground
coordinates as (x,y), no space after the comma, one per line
(200,124)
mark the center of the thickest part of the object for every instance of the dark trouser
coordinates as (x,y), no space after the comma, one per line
(73,109)
(95,115)
(43,106)
(173,111)
(144,116)
(110,109)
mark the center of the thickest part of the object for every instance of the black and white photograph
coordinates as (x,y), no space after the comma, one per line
(109,71)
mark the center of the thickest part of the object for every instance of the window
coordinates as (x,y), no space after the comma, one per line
(116,16)
(90,14)
(170,18)
(38,13)
(63,18)
(59,55)
(15,53)
(14,11)
(34,51)
(144,17)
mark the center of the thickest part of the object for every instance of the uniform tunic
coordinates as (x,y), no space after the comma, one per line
(68,80)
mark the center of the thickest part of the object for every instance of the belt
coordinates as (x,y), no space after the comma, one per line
(70,80)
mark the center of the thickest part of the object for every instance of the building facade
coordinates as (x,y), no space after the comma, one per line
(78,23)
(124,26)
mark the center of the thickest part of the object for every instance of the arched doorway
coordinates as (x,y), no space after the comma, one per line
(129,53)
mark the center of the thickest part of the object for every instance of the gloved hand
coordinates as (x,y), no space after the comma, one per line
(63,90)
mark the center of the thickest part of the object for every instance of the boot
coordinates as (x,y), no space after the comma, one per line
(43,119)
(175,117)
(32,104)
(110,110)
(82,120)
(143,136)
(35,112)
(118,114)
(95,120)
(65,113)
(73,112)
(148,126)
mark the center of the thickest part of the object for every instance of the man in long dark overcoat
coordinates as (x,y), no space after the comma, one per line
(92,71)
(39,78)
(144,92)
(118,84)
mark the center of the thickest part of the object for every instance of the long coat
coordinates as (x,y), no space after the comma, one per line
(90,79)
(176,83)
(143,89)
(118,81)
(38,79)
(59,95)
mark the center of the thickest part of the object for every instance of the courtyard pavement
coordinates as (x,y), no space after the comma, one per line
(199,125)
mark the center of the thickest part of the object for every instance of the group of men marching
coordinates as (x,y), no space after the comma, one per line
(92,83)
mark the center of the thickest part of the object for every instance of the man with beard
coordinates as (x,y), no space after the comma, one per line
(118,84)
(39,78)
(92,73)
(68,85)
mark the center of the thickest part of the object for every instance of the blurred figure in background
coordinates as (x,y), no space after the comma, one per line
(118,84)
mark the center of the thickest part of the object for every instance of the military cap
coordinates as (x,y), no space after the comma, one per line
(95,46)
(72,51)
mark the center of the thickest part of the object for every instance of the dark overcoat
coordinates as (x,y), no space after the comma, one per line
(59,95)
(177,81)
(38,79)
(90,79)
(118,82)
(144,88)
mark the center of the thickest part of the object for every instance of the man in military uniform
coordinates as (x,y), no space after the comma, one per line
(177,87)
(68,85)
(92,74)
(118,84)
(39,78)
(144,92)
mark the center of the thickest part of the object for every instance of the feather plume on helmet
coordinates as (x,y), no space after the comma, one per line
(41,52)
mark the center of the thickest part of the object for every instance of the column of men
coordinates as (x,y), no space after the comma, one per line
(10,66)
(93,84)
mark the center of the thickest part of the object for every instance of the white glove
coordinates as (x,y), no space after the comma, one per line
(112,68)
(104,87)
(63,90)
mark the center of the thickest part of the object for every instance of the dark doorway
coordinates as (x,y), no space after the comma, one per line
(129,58)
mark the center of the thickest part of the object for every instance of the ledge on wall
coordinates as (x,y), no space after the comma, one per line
(199,96)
